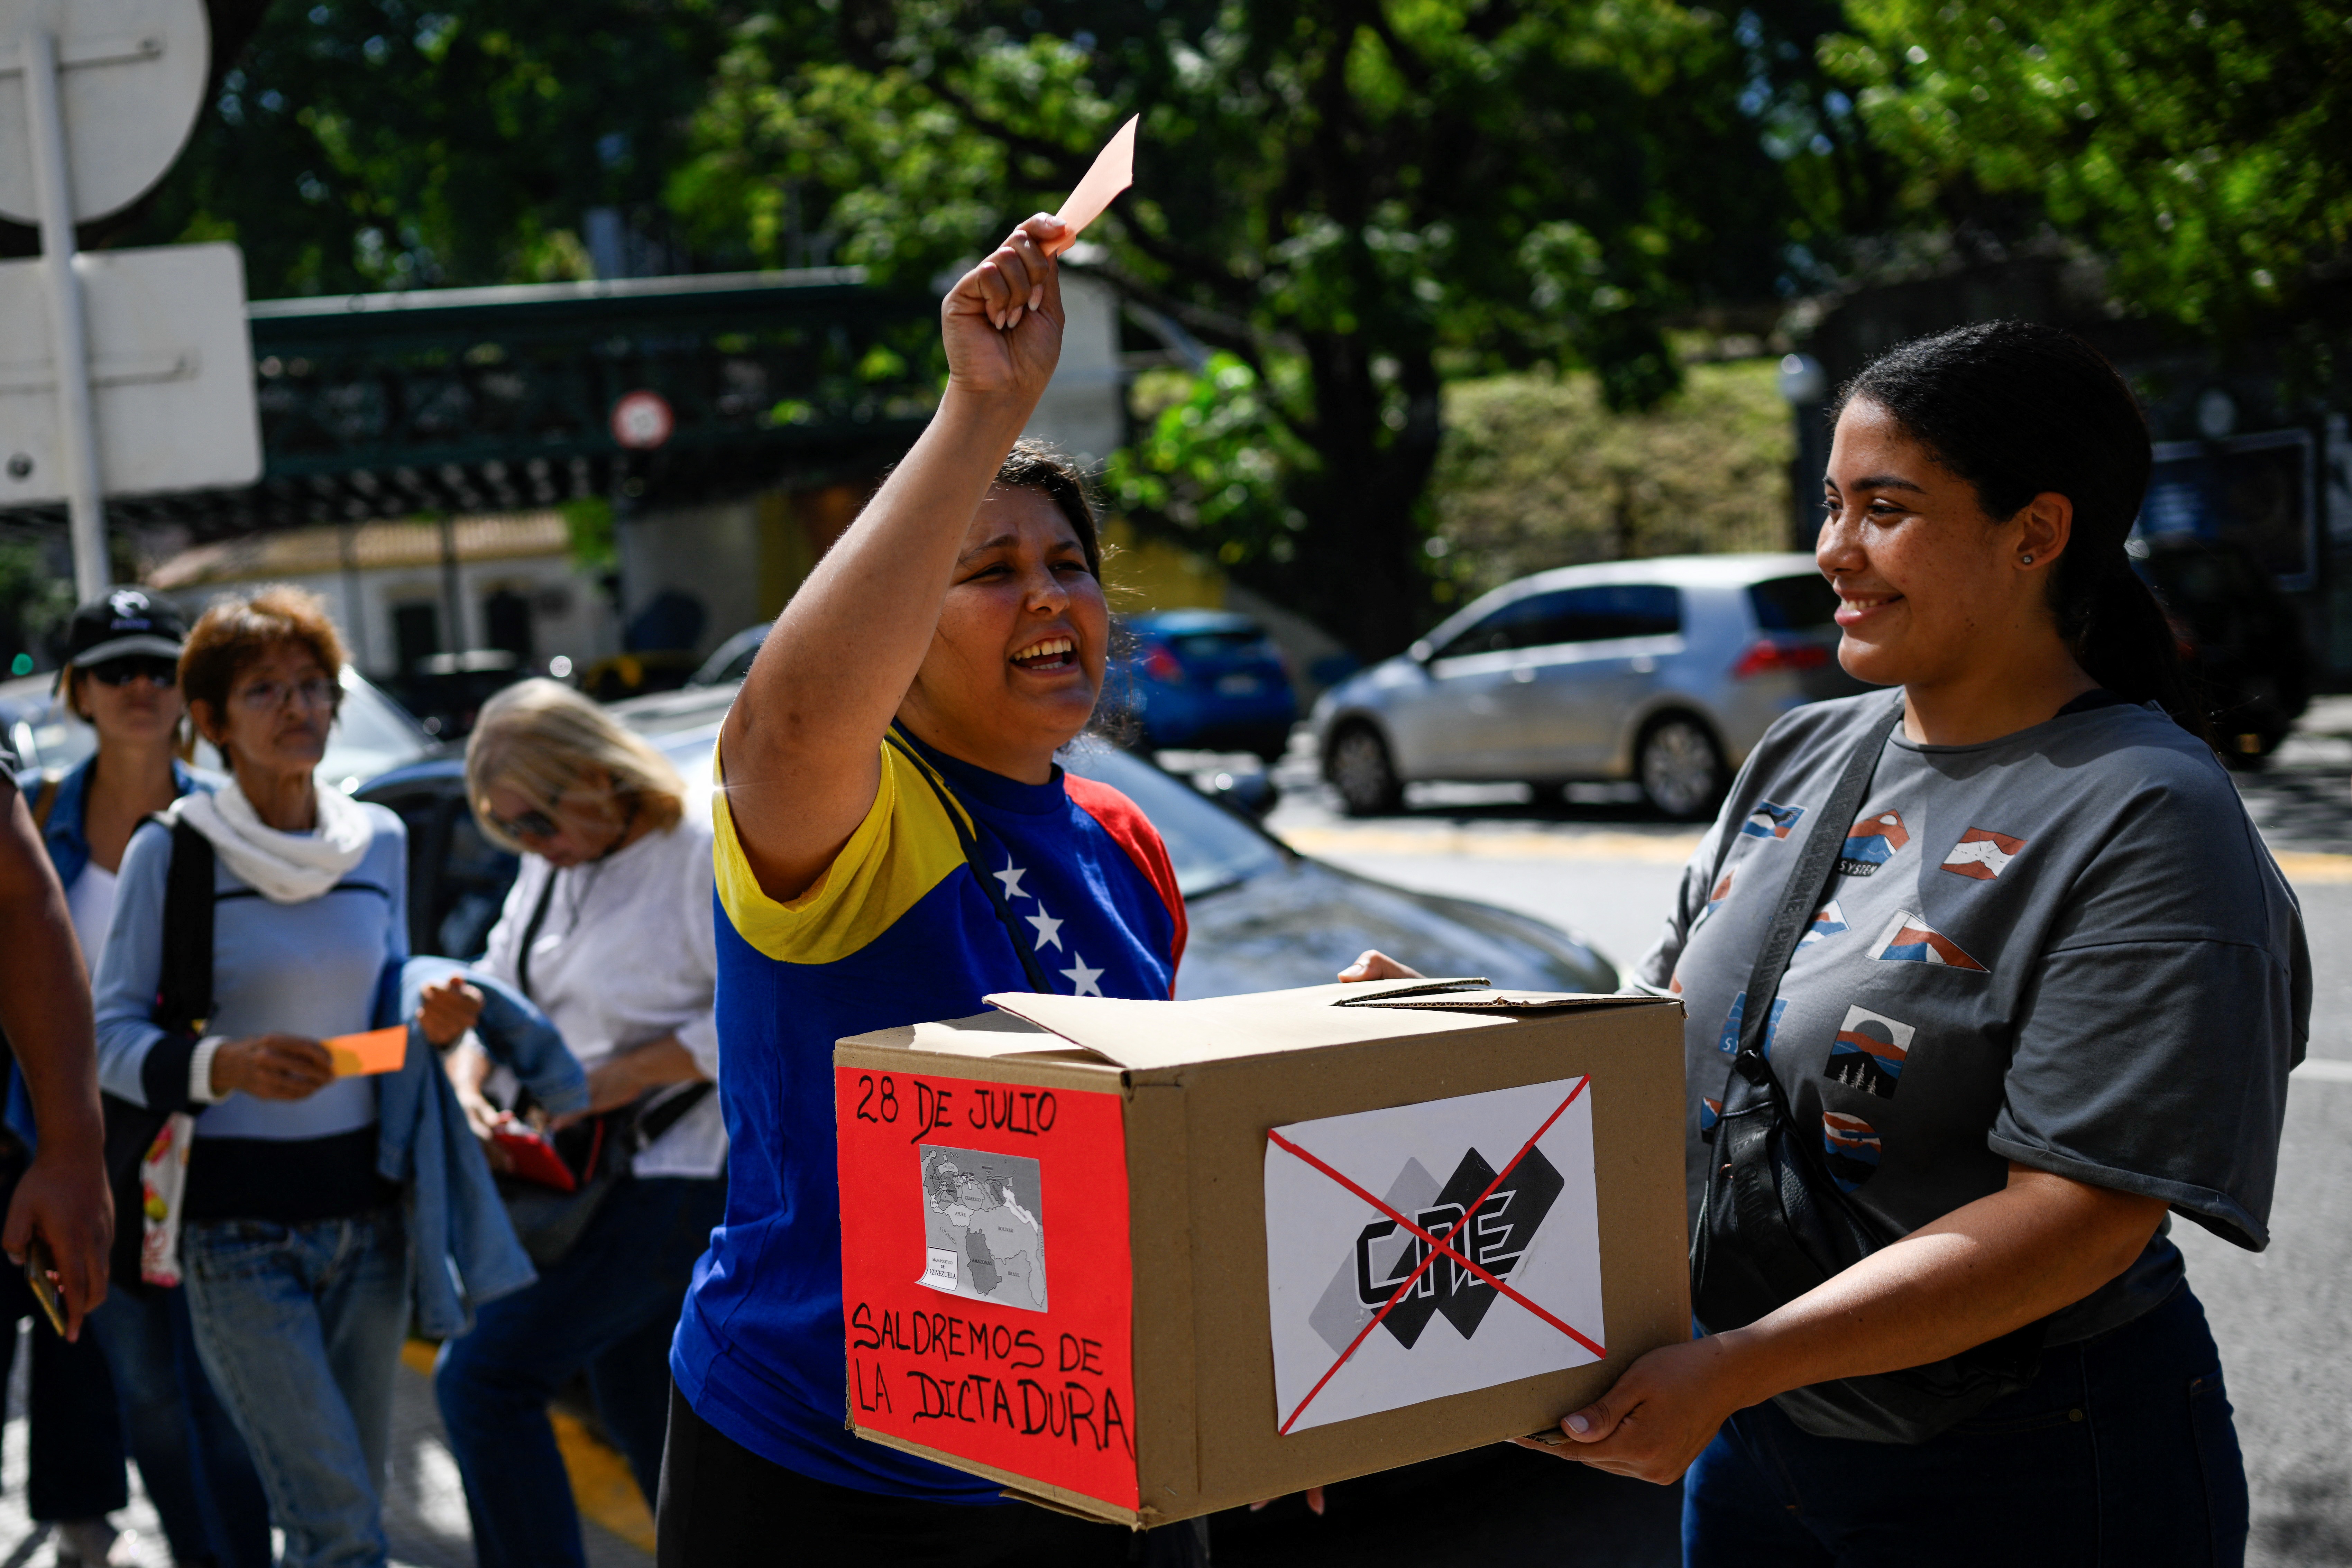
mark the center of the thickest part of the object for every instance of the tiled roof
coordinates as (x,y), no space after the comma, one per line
(316,551)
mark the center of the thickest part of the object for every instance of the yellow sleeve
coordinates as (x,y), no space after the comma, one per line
(905,846)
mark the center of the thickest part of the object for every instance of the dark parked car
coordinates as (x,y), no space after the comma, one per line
(1204,681)
(1263,916)
(2241,640)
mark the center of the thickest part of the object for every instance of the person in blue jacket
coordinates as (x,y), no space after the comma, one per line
(121,676)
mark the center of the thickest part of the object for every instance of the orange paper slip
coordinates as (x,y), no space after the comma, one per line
(1114,171)
(378,1050)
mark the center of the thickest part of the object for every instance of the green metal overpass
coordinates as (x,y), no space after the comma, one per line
(479,399)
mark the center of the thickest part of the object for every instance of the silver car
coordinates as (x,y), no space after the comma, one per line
(1663,672)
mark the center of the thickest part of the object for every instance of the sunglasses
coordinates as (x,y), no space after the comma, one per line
(122,672)
(524,824)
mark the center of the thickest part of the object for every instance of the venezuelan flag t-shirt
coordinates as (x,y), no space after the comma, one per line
(898,931)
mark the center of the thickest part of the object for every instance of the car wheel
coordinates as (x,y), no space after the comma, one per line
(1681,770)
(1359,768)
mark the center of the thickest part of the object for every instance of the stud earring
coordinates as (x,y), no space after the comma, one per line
(2025,559)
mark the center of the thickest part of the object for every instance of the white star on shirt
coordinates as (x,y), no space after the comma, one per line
(1049,930)
(1011,877)
(1082,979)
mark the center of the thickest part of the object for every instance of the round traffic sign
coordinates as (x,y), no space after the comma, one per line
(130,79)
(642,420)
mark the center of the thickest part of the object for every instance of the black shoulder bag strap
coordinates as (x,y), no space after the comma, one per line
(1806,882)
(184,1005)
(966,828)
(1774,1223)
(530,933)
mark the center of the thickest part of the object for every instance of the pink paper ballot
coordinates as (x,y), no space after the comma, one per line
(1114,171)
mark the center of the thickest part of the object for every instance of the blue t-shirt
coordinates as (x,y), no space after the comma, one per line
(898,931)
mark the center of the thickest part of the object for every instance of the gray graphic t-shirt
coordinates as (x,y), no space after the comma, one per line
(2067,948)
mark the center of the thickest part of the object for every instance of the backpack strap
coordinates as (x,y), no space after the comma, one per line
(184,1001)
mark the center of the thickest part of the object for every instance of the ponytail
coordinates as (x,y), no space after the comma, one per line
(2123,640)
(2018,410)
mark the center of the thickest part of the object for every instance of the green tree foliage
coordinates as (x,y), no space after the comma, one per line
(365,144)
(2206,150)
(1537,473)
(1343,195)
(34,603)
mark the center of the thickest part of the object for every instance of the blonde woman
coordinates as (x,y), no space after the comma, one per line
(608,928)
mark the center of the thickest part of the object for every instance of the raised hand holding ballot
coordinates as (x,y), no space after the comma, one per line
(1002,323)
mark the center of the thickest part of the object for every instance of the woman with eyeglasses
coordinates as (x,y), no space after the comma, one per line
(122,678)
(294,1247)
(609,930)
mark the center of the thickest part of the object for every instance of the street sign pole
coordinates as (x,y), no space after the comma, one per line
(36,52)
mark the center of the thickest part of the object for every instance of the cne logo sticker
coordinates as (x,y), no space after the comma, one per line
(1367,1250)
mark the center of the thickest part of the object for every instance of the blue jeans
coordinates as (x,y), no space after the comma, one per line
(190,1454)
(299,1327)
(2120,1453)
(607,1308)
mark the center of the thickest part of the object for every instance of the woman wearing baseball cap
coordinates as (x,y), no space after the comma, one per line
(121,676)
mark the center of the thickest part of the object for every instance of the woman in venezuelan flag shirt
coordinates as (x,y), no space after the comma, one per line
(951,641)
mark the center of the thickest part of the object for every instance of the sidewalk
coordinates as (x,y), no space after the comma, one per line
(424,1513)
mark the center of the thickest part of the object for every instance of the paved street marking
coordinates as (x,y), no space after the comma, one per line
(1665,850)
(2306,868)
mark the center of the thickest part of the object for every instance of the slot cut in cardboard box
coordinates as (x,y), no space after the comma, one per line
(1144,1260)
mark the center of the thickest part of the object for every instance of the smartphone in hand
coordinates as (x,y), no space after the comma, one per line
(37,1264)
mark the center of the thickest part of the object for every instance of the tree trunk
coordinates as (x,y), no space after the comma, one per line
(1359,568)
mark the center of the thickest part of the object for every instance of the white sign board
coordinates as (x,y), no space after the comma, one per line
(1430,1249)
(130,78)
(170,368)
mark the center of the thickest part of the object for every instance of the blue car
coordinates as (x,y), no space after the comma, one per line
(1204,681)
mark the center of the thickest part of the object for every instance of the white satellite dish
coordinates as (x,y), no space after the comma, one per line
(130,80)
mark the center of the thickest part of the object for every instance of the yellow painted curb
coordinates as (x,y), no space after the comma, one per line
(2311,867)
(604,1488)
(1660,849)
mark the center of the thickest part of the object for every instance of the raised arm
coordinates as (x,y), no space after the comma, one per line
(801,749)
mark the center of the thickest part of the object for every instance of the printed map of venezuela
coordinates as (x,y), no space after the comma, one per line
(983,1226)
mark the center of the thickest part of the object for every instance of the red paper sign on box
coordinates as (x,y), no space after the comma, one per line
(985,1276)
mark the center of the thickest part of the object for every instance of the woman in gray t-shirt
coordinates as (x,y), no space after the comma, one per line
(2051,993)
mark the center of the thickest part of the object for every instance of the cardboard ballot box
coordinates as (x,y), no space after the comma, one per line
(1142,1260)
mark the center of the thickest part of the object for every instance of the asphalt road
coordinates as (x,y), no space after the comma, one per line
(1604,868)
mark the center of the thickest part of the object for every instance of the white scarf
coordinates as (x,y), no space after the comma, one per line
(284,868)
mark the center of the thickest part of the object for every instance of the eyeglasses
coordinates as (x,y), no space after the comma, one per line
(268,695)
(155,670)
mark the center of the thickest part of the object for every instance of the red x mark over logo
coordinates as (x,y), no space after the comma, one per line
(1438,1244)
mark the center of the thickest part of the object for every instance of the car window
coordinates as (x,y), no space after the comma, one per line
(1793,604)
(1609,610)
(1522,622)
(1219,644)
(1210,848)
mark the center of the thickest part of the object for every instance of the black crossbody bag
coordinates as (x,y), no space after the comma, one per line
(1774,1223)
